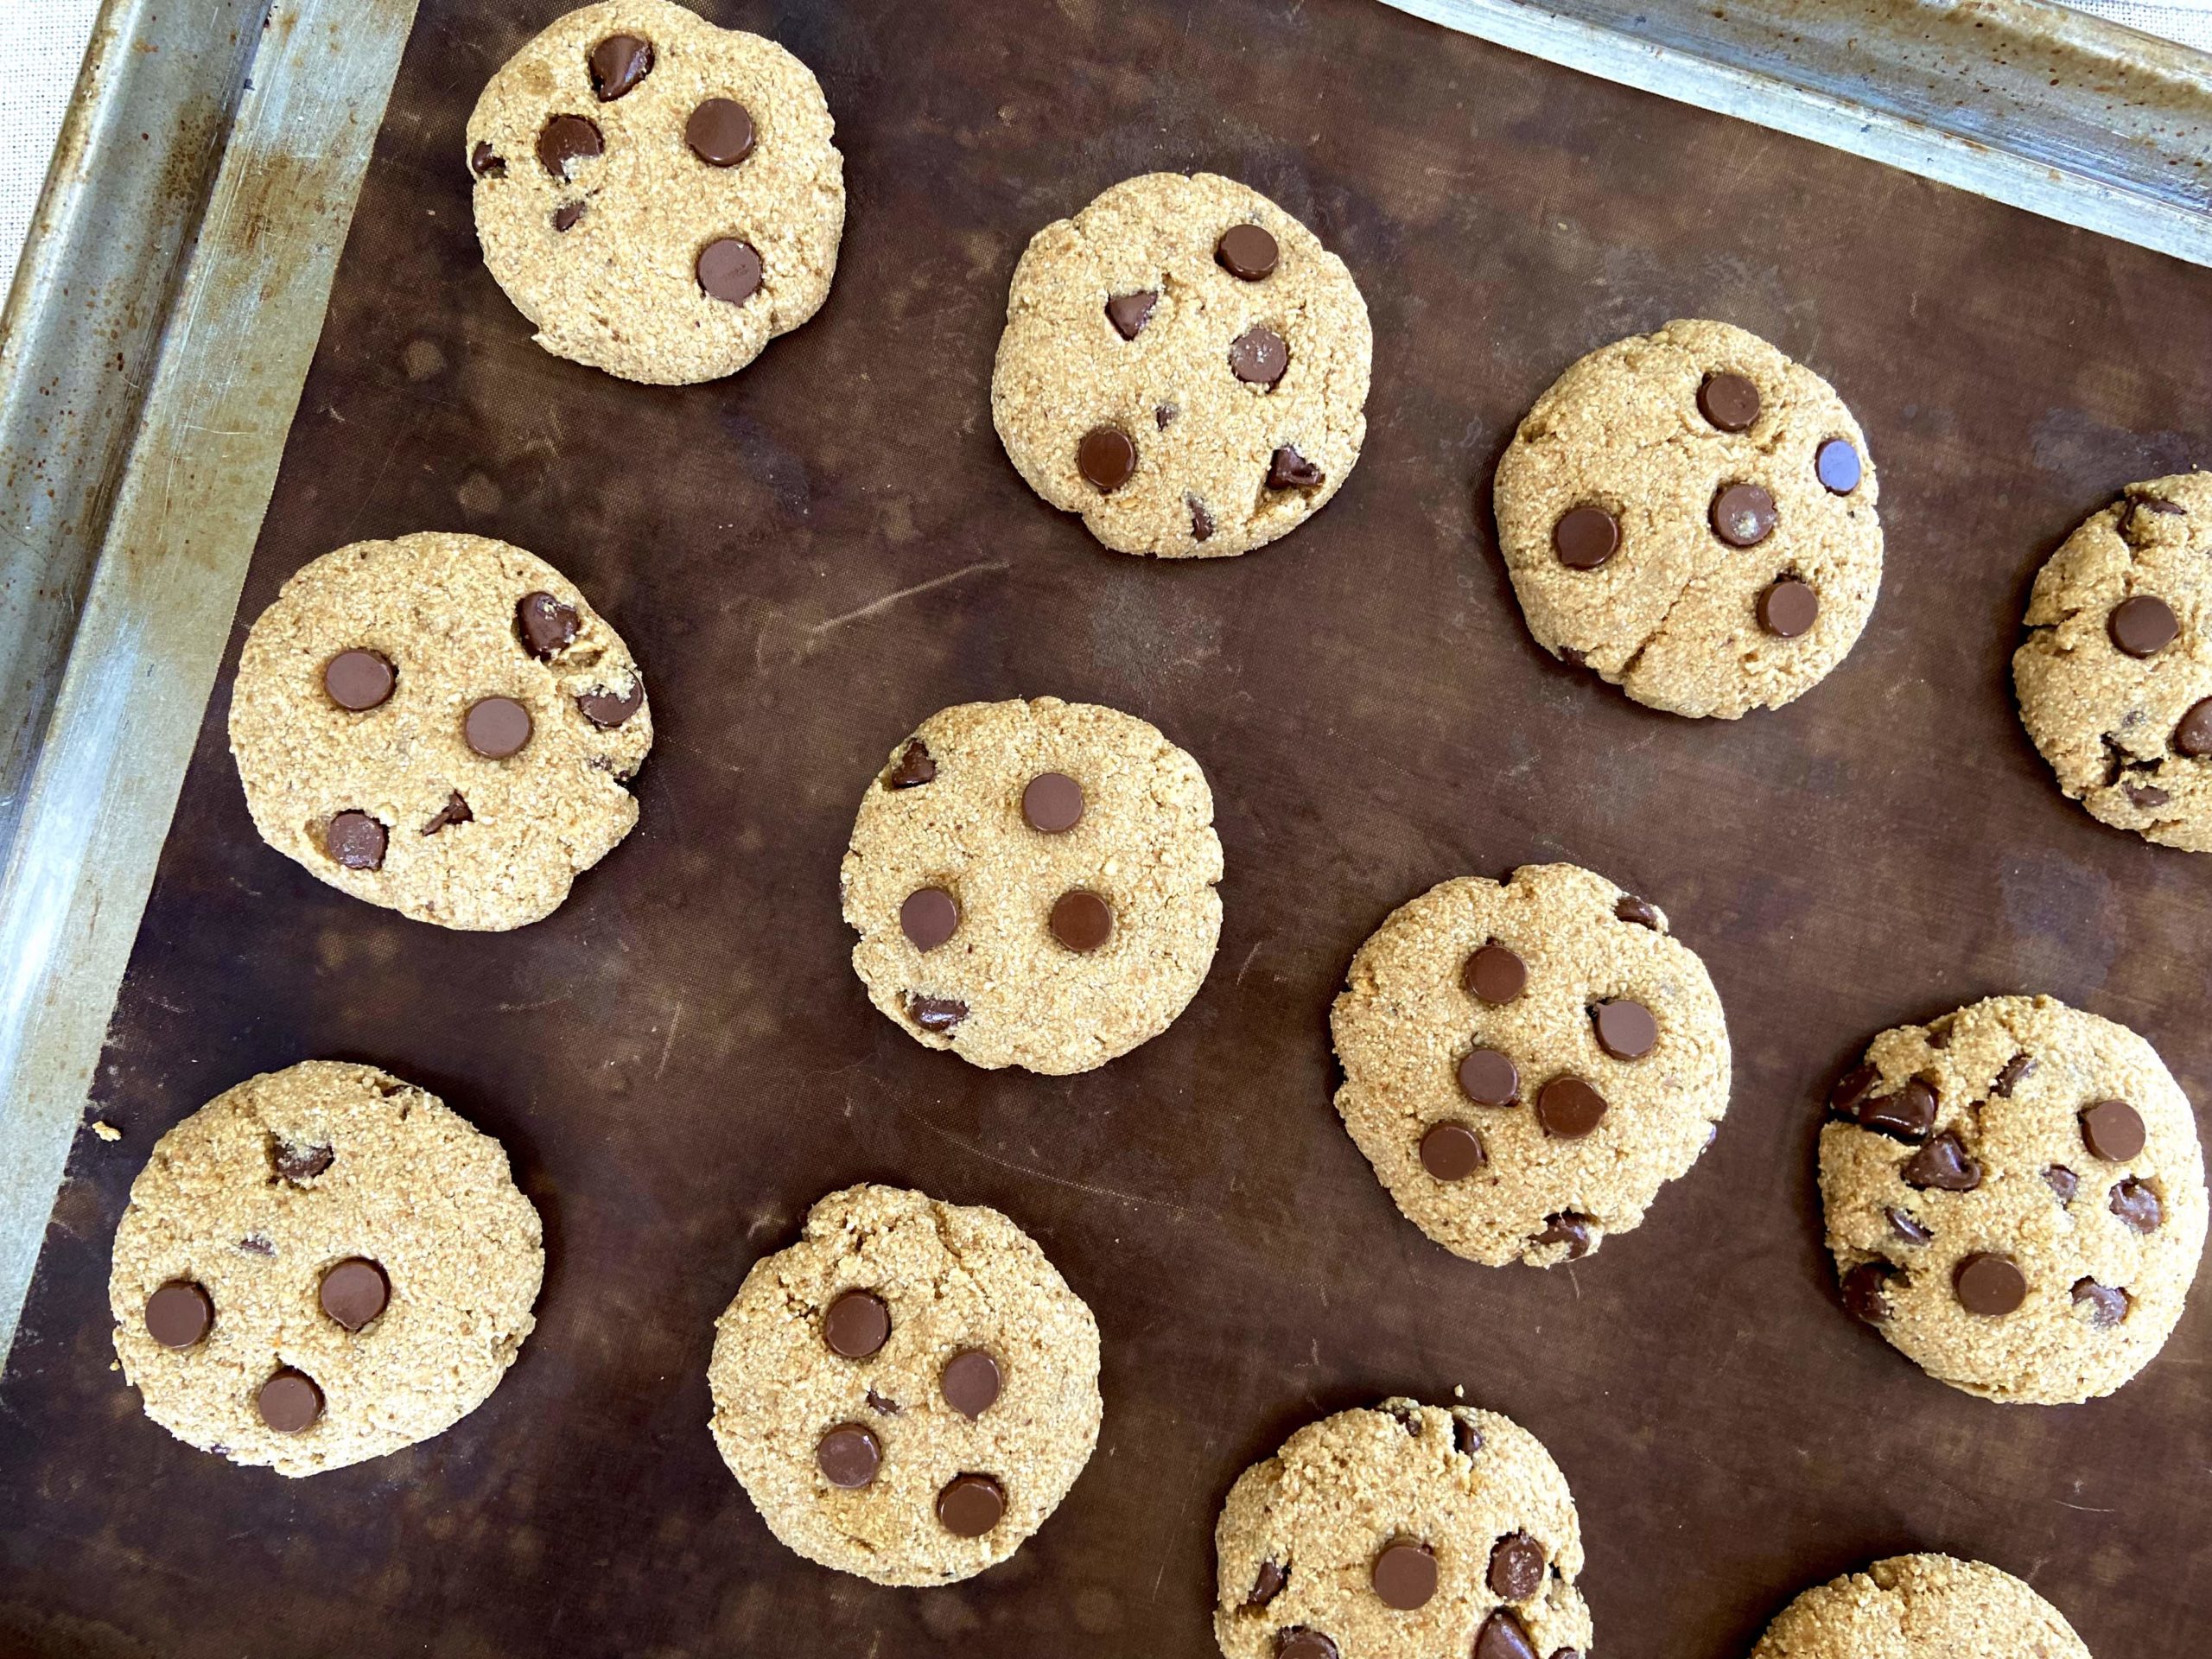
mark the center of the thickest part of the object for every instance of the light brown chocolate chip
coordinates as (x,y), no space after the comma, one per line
(929,918)
(179,1315)
(354,1291)
(857,1325)
(970,1383)
(1404,1574)
(1052,804)
(497,727)
(848,1456)
(359,680)
(356,841)
(289,1401)
(729,269)
(1625,1028)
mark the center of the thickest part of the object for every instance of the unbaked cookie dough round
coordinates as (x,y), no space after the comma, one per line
(2115,678)
(908,1392)
(1921,1607)
(440,724)
(1691,515)
(660,197)
(2015,1198)
(1401,1532)
(321,1265)
(1185,365)
(1526,1062)
(1033,884)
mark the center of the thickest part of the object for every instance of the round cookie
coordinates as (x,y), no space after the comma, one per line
(2115,678)
(659,196)
(1528,1062)
(1185,365)
(1690,514)
(321,1265)
(2015,1198)
(1399,1532)
(440,724)
(1033,884)
(1921,1607)
(908,1392)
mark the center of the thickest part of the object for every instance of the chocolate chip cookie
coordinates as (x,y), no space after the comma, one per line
(1691,515)
(1185,365)
(440,724)
(1526,1062)
(1399,1532)
(1922,1607)
(2015,1198)
(908,1392)
(2115,676)
(660,197)
(1033,884)
(321,1265)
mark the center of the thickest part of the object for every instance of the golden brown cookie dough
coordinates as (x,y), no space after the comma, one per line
(1922,1607)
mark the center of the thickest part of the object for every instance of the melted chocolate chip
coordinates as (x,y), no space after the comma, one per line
(913,768)
(1642,911)
(1502,1636)
(618,64)
(1288,470)
(608,710)
(1569,1229)
(935,1013)
(1866,1291)
(1902,1223)
(1516,1566)
(567,138)
(719,132)
(2134,1203)
(1943,1163)
(485,162)
(1906,1115)
(2107,1306)
(2063,1181)
(456,810)
(1267,1585)
(2014,1073)
(1851,1089)
(545,625)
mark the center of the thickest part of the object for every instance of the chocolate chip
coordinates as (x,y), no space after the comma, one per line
(1128,313)
(566,215)
(929,917)
(1267,1585)
(289,1401)
(729,269)
(1729,401)
(358,679)
(1866,1291)
(1938,1032)
(1573,655)
(356,841)
(618,64)
(1489,1078)
(1494,975)
(1467,1438)
(1852,1087)
(567,138)
(1450,1152)
(1569,1229)
(485,162)
(1302,1643)
(857,1324)
(1905,1227)
(1788,608)
(1835,463)
(545,625)
(848,1456)
(1642,911)
(2014,1073)
(1082,921)
(1743,515)
(935,1013)
(1502,1636)
(970,1505)
(1516,1566)
(2142,625)
(719,132)
(257,1245)
(456,810)
(2063,1181)
(2135,525)
(1406,1413)
(1989,1284)
(2113,1130)
(970,1383)
(1569,1108)
(1943,1165)
(1625,1029)
(1288,470)
(2107,1306)
(298,1163)
(497,727)
(1052,804)
(354,1291)
(1201,522)
(2145,796)
(913,768)
(1161,414)
(1906,1115)
(1258,356)
(2193,735)
(1246,250)
(1404,1574)
(1106,457)
(2134,1203)
(1586,536)
(608,710)
(179,1313)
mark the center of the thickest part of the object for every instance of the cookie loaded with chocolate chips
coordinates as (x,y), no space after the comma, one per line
(1184,365)
(2014,1195)
(1526,1062)
(1034,883)
(441,725)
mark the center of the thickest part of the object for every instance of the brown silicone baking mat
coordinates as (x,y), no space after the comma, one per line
(814,556)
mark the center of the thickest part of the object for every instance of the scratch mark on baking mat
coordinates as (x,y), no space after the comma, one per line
(1175,1210)
(875,605)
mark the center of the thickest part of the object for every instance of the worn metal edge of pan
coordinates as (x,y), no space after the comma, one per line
(2023,101)
(147,384)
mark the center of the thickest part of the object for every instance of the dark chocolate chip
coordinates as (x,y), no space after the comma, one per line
(608,710)
(2014,1073)
(935,1013)
(1788,608)
(1642,911)
(289,1401)
(1467,1438)
(1303,1643)
(1288,470)
(2113,1130)
(970,1383)
(356,841)
(1625,1028)
(848,1456)
(1161,414)
(1201,522)
(1730,401)
(2107,1306)
(877,1402)
(970,1505)
(1943,1165)
(2145,796)
(1502,1636)
(719,132)
(1516,1566)
(1743,515)
(566,215)
(1905,1227)
(545,625)
(354,1291)
(1989,1284)
(929,918)
(179,1313)
(485,162)
(1835,463)
(297,1163)
(618,64)
(358,680)
(2063,1181)
(1866,1291)
(1246,250)
(567,138)
(1494,974)
(1489,1078)
(257,1245)
(1258,356)
(497,727)
(729,269)
(857,1324)
(1851,1087)
(2193,735)
(1586,536)
(913,768)
(1082,921)
(1267,1585)
(1569,1229)
(1128,313)
(2134,1203)
(1569,1108)
(2142,624)
(1450,1152)
(1106,457)
(1051,803)
(1906,1115)
(1404,1574)
(456,810)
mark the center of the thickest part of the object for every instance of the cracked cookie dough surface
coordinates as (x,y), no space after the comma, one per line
(2015,1198)
(659,196)
(440,724)
(1922,1607)
(1033,884)
(1185,365)
(1528,1062)
(908,1392)
(1403,1532)
(2115,676)
(321,1265)
(1691,515)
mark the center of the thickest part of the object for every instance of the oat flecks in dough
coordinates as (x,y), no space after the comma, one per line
(954,1278)
(1922,1607)
(406,1184)
(1672,616)
(1205,440)
(1004,989)
(1405,1020)
(441,610)
(1457,1479)
(2110,723)
(2017,1123)
(620,287)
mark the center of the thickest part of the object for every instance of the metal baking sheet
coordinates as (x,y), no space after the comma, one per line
(810,557)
